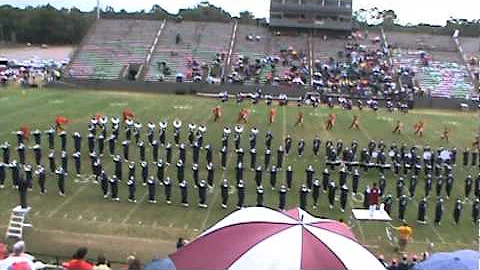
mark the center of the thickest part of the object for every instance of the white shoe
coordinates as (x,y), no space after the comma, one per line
(168,202)
(185,204)
(61,194)
(224,206)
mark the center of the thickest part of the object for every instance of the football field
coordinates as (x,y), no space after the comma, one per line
(84,217)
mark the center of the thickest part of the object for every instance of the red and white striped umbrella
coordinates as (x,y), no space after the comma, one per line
(262,238)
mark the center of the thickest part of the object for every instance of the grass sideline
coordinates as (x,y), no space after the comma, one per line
(83,217)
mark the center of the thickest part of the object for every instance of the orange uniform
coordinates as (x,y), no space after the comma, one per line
(272,115)
(445,134)
(355,123)
(300,118)
(60,122)
(127,114)
(217,113)
(332,118)
(243,116)
(26,133)
(398,128)
(419,128)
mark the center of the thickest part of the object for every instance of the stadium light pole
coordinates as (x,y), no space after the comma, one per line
(98,9)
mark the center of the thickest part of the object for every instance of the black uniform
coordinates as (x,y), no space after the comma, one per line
(182,153)
(253,158)
(449,185)
(141,148)
(316,192)
(457,211)
(117,160)
(402,207)
(112,144)
(301,147)
(332,188)
(260,194)
(154,145)
(210,175)
(144,166)
(114,188)
(412,186)
(21,153)
(343,197)
(476,186)
(61,181)
(41,179)
(241,194)
(101,144)
(325,180)
(273,177)
(184,193)
(466,154)
(63,140)
(209,153)
(132,170)
(439,209)
(2,175)
(225,190)
(428,185)
(400,186)
(268,154)
(202,194)
(195,153)
(468,186)
(475,210)
(303,193)
(6,153)
(342,177)
(180,172)
(282,200)
(289,176)
(239,172)
(77,157)
(126,146)
(439,186)
(310,172)
(37,136)
(51,158)
(51,138)
(422,211)
(288,144)
(258,176)
(382,184)
(64,158)
(168,153)
(160,170)
(268,140)
(224,153)
(22,190)
(316,145)
(356,181)
(37,150)
(280,157)
(167,185)
(195,175)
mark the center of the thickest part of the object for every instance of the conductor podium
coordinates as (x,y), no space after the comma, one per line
(18,220)
(372,215)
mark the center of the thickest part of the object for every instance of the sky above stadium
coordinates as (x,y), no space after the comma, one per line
(408,11)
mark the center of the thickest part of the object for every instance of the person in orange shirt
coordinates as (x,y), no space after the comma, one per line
(300,118)
(398,128)
(419,128)
(405,232)
(355,123)
(217,113)
(272,115)
(332,118)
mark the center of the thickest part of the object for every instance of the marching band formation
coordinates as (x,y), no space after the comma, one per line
(408,164)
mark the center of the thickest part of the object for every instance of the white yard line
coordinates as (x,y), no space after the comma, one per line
(66,201)
(134,209)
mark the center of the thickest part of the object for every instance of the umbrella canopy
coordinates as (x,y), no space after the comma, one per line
(262,238)
(457,260)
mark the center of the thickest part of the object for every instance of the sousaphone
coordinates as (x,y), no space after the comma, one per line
(177,124)
(227,130)
(192,126)
(239,129)
(202,128)
(163,124)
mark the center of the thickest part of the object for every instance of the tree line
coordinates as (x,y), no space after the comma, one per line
(48,25)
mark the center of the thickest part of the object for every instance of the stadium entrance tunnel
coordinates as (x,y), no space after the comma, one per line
(133,71)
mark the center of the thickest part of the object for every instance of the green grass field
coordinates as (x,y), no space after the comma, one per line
(83,217)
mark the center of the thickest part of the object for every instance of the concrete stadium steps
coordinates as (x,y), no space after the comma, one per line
(113,45)
(252,49)
(441,78)
(421,41)
(298,43)
(200,41)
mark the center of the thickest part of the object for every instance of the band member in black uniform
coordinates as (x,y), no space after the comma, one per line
(343,197)
(209,153)
(202,194)
(117,160)
(273,177)
(280,154)
(180,171)
(51,159)
(439,209)
(466,154)
(78,161)
(195,175)
(184,193)
(64,158)
(316,145)
(457,210)
(258,176)
(288,144)
(126,146)
(6,152)
(224,154)
(37,136)
(332,188)
(155,146)
(400,186)
(468,186)
(268,140)
(449,185)
(114,188)
(41,179)
(260,193)
(301,147)
(101,144)
(382,184)
(303,196)
(61,181)
(21,153)
(112,144)
(51,138)
(439,186)
(144,166)
(253,158)
(282,200)
(239,172)
(355,182)
(167,185)
(289,177)
(63,140)
(402,207)
(132,170)
(210,175)
(225,192)
(182,153)
(37,150)
(475,210)
(325,180)
(428,185)
(412,186)
(241,194)
(195,152)
(316,192)
(23,190)
(268,154)
(168,154)
(422,211)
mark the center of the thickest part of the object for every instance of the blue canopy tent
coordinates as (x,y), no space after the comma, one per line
(457,260)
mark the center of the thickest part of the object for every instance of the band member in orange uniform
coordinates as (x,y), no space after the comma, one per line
(332,118)
(445,134)
(127,115)
(355,123)
(300,118)
(60,122)
(272,115)
(419,128)
(26,133)
(217,113)
(398,128)
(243,116)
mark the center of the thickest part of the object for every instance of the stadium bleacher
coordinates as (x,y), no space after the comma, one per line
(198,41)
(114,44)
